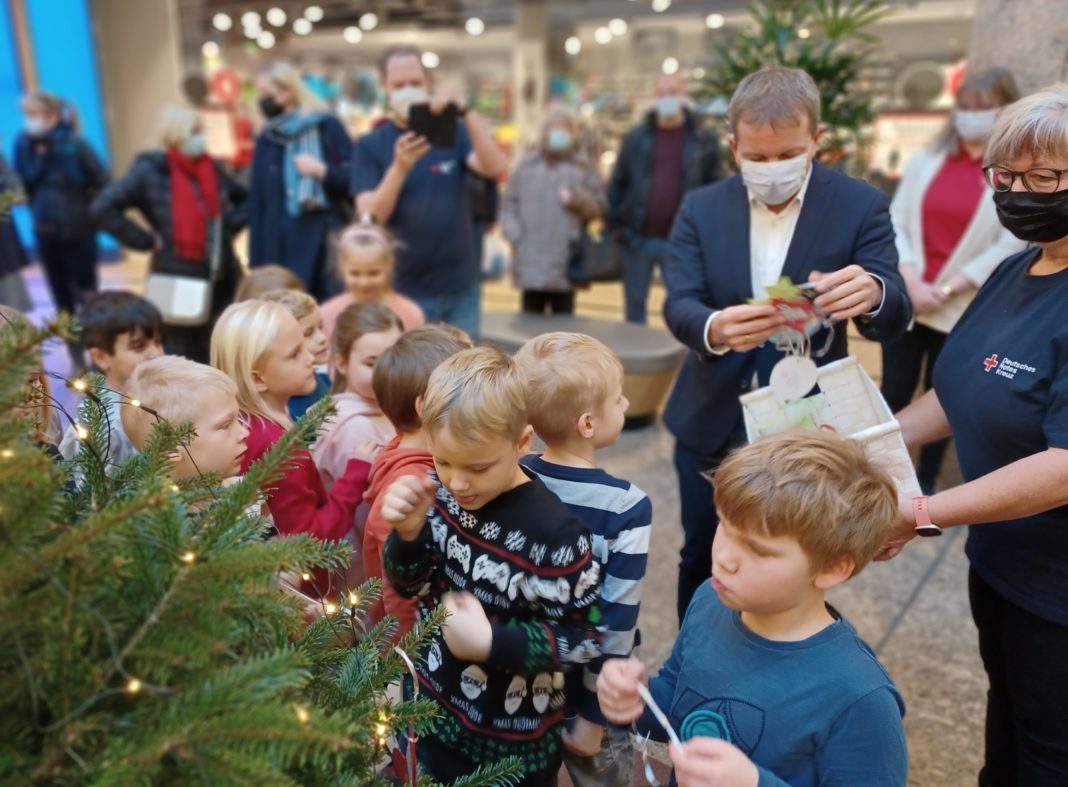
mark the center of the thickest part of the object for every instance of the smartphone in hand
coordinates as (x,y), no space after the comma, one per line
(439,130)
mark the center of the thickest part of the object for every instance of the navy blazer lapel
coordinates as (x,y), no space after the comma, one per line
(732,245)
(800,259)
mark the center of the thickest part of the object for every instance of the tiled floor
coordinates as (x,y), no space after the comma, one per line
(913,610)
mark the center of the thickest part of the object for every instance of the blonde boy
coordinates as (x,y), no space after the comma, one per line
(512,565)
(306,311)
(767,684)
(574,386)
(179,391)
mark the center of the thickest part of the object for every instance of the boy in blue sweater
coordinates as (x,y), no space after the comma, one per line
(767,685)
(575,402)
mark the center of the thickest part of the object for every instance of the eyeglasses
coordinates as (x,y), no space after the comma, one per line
(1041,179)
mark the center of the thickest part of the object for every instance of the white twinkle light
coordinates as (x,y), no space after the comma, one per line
(659,6)
(804,33)
(714,21)
(671,66)
(276,16)
(431,60)
(573,46)
(602,35)
(250,19)
(209,49)
(368,22)
(302,27)
(265,39)
(352,35)
(475,26)
(313,13)
(617,27)
(222,22)
(252,32)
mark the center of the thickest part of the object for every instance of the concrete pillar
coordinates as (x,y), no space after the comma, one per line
(140,71)
(530,70)
(1029,37)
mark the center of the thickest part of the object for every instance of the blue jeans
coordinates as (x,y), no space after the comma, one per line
(461,309)
(639,257)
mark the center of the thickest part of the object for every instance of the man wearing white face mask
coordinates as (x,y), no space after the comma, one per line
(949,239)
(420,192)
(662,158)
(784,215)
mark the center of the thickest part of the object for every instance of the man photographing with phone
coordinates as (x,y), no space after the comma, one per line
(410,174)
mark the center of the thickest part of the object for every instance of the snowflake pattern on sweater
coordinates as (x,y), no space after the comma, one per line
(528,560)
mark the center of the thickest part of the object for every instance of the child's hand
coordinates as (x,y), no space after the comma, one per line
(584,737)
(406,502)
(617,690)
(467,631)
(708,762)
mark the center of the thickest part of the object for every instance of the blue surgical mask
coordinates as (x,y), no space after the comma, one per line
(194,146)
(559,140)
(668,106)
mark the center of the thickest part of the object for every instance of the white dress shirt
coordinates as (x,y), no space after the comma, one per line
(770,235)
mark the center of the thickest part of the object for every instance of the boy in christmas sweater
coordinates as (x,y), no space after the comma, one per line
(511,564)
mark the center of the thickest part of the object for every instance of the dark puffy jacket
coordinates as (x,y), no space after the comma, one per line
(61,175)
(628,191)
(12,255)
(146,188)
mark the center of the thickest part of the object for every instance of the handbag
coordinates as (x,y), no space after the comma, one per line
(594,258)
(186,300)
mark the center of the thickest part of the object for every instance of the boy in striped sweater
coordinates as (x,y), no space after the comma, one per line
(575,401)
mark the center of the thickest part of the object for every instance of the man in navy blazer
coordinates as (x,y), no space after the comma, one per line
(784,215)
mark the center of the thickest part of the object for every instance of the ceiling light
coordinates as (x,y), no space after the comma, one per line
(475,26)
(252,32)
(431,60)
(368,22)
(602,35)
(671,66)
(210,49)
(660,6)
(276,16)
(222,22)
(302,27)
(265,39)
(313,13)
(699,73)
(617,27)
(714,21)
(352,35)
(250,19)
(573,46)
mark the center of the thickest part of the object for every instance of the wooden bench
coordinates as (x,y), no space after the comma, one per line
(651,356)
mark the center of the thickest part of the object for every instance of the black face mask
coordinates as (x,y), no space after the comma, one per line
(1033,216)
(270,107)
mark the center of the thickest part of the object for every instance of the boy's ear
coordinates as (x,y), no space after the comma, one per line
(585,425)
(419,407)
(525,440)
(835,573)
(100,359)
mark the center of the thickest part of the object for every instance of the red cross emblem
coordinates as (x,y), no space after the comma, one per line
(991,362)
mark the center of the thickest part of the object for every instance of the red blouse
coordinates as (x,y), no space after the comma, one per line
(948,207)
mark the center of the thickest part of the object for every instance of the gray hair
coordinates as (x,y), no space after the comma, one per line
(1036,125)
(176,125)
(775,96)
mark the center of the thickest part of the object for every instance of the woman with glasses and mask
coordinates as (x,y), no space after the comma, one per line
(948,240)
(1001,390)
(192,209)
(300,181)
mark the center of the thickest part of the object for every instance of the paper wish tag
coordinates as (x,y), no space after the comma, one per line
(793,377)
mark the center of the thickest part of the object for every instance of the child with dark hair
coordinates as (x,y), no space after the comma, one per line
(119,330)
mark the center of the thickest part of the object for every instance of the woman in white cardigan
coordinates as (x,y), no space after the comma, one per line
(948,240)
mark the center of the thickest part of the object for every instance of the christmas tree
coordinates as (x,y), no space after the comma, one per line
(148,637)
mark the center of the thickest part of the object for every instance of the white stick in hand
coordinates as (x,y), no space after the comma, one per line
(647,698)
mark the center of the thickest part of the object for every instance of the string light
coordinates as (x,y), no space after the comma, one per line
(330,608)
(354,599)
(79,385)
(137,402)
(133,685)
(175,488)
(7,453)
(189,557)
(81,431)
(305,576)
(302,714)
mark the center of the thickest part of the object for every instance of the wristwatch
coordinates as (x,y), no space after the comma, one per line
(924,526)
(946,290)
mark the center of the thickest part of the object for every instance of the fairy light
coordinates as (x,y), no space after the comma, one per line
(175,488)
(302,714)
(330,608)
(82,432)
(305,576)
(354,599)
(79,385)
(135,402)
(134,685)
(189,557)
(7,453)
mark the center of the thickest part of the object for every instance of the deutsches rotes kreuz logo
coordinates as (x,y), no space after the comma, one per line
(1006,367)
